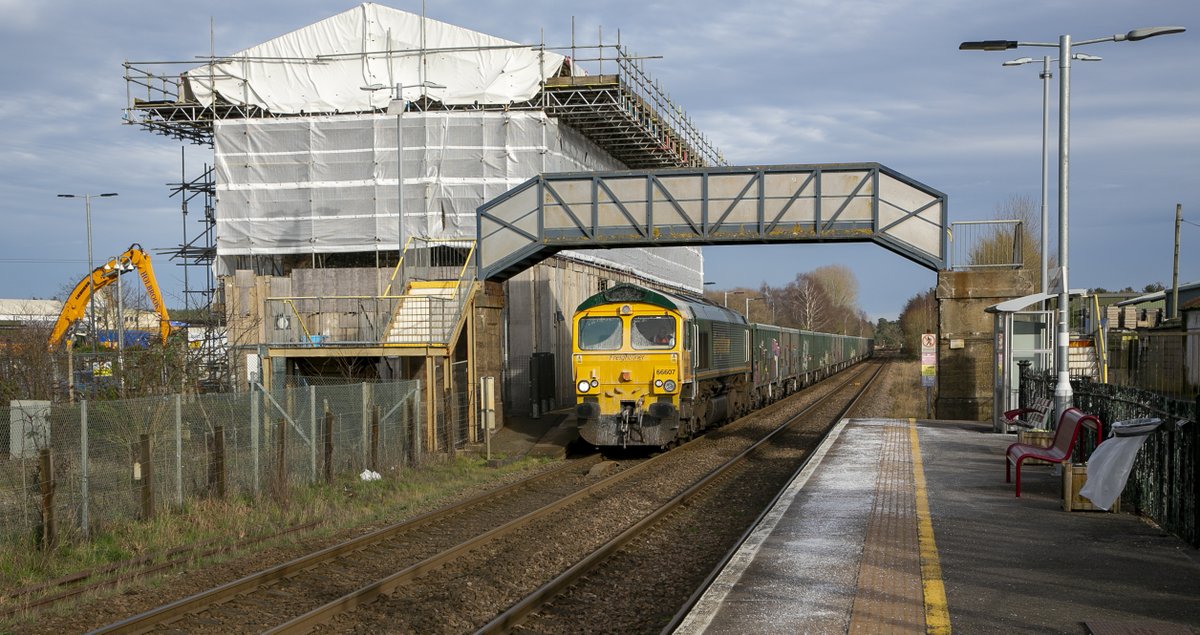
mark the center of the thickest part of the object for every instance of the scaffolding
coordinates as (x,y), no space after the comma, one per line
(624,110)
(195,255)
(602,92)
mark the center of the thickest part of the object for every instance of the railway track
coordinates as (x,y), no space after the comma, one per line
(612,586)
(438,524)
(475,563)
(98,579)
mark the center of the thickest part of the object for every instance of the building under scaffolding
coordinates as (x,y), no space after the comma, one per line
(333,149)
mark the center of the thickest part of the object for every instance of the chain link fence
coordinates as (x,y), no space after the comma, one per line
(134,458)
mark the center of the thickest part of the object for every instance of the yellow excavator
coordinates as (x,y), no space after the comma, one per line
(102,276)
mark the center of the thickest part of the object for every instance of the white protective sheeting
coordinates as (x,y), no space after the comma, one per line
(328,184)
(323,67)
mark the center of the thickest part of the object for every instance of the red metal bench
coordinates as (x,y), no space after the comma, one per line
(1065,435)
(1035,416)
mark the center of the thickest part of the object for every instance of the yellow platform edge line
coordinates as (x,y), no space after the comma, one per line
(937,614)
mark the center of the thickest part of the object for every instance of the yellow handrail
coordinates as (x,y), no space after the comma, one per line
(399,264)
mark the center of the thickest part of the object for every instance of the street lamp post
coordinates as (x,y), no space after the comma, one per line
(120,270)
(1045,76)
(1062,391)
(760,299)
(397,107)
(87,206)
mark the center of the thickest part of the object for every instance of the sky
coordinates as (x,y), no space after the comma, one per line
(800,82)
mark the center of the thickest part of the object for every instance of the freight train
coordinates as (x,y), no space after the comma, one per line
(654,368)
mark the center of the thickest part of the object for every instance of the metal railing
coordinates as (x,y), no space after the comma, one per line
(986,244)
(438,277)
(1164,483)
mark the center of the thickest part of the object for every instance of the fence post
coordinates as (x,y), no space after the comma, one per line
(328,445)
(417,428)
(312,431)
(84,493)
(46,537)
(254,399)
(451,422)
(1194,429)
(375,438)
(366,421)
(216,463)
(281,456)
(178,450)
(147,477)
(1023,383)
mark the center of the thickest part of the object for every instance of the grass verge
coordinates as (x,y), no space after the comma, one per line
(339,506)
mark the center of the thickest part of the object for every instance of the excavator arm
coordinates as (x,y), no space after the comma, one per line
(102,276)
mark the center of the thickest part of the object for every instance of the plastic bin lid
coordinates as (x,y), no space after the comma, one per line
(1135,427)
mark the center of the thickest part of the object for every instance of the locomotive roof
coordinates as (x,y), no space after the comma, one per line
(698,307)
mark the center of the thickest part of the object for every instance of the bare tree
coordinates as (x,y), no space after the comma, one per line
(806,304)
(839,283)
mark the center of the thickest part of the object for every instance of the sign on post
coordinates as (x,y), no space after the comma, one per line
(928,369)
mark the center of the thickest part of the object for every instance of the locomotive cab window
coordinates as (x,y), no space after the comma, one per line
(652,332)
(600,334)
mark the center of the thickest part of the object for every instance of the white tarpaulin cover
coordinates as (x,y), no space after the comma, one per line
(328,184)
(1110,463)
(323,67)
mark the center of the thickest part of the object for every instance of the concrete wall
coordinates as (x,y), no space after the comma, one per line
(966,355)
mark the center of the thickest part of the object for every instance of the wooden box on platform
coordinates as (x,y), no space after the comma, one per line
(1074,476)
(1036,438)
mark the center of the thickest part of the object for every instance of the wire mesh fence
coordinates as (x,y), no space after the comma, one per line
(1165,481)
(82,466)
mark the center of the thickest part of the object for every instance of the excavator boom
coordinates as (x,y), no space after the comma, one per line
(102,276)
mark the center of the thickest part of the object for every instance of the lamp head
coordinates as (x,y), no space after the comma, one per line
(1084,57)
(1153,31)
(1017,62)
(988,45)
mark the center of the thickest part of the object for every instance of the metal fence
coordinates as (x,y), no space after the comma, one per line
(133,458)
(986,244)
(1165,480)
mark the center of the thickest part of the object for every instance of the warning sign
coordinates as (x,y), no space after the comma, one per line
(928,360)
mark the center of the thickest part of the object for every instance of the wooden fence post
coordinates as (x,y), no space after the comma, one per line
(147,477)
(216,463)
(47,536)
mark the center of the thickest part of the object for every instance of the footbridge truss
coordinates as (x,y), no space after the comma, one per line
(851,202)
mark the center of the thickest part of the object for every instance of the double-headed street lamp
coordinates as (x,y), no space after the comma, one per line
(1062,391)
(1045,76)
(87,206)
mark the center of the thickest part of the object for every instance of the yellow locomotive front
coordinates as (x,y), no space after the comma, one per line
(628,361)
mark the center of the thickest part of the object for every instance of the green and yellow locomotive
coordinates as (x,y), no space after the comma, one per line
(654,368)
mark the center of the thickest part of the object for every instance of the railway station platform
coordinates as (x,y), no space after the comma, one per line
(901,526)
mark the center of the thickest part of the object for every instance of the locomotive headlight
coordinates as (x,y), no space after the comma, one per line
(669,385)
(595,382)
(658,383)
(584,385)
